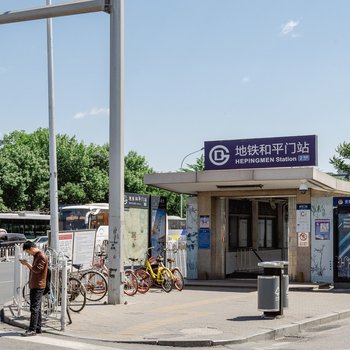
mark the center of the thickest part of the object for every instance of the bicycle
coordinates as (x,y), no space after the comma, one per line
(179,280)
(131,285)
(143,278)
(160,276)
(130,279)
(94,282)
(76,295)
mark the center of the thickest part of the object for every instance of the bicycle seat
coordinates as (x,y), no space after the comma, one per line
(133,259)
(170,260)
(152,259)
(77,266)
(159,259)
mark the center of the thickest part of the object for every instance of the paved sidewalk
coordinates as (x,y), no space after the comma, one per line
(200,315)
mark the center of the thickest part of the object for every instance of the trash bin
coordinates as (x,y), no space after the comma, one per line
(273,288)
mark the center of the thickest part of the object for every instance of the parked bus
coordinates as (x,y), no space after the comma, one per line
(144,222)
(83,216)
(32,224)
(176,227)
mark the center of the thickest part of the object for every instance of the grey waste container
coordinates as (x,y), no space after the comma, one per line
(273,288)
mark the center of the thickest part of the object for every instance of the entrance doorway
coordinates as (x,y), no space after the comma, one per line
(257,231)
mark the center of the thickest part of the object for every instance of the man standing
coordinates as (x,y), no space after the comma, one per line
(37,283)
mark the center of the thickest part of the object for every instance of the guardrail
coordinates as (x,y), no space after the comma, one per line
(6,252)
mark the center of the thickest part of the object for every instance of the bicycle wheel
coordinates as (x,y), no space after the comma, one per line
(144,280)
(130,283)
(166,280)
(178,279)
(95,284)
(76,295)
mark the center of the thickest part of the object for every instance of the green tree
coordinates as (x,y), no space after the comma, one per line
(342,162)
(83,172)
(197,166)
(135,167)
(24,176)
(24,179)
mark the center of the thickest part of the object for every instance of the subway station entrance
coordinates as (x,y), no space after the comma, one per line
(259,199)
(235,218)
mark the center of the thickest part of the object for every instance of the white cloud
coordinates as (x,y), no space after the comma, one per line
(289,27)
(92,112)
(246,79)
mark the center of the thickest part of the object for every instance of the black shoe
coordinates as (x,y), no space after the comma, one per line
(38,331)
(28,333)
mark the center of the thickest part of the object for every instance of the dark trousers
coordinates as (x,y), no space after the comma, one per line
(35,309)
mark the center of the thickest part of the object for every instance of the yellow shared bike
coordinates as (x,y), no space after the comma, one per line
(160,275)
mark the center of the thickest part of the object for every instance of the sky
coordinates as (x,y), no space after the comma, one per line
(195,71)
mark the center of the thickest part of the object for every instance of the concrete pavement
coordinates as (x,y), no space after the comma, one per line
(205,313)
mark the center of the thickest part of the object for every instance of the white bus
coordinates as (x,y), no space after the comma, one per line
(176,228)
(83,216)
(32,224)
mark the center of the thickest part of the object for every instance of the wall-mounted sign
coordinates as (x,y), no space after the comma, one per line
(272,152)
(303,239)
(204,221)
(323,229)
(133,200)
(303,217)
(341,201)
(204,238)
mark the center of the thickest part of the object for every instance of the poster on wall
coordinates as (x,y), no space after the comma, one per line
(191,237)
(323,229)
(136,229)
(321,240)
(303,217)
(303,239)
(158,225)
(204,238)
(65,243)
(83,247)
(204,221)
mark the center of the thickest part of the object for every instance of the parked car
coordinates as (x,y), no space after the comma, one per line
(10,239)
(41,241)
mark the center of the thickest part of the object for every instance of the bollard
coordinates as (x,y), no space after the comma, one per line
(64,295)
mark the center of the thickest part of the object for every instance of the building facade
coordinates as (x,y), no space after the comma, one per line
(238,217)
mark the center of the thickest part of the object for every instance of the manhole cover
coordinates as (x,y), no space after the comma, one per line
(200,331)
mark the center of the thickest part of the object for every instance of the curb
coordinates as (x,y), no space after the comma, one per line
(291,329)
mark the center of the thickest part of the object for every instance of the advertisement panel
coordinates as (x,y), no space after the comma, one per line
(158,224)
(136,220)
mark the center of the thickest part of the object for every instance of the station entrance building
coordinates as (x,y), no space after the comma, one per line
(235,216)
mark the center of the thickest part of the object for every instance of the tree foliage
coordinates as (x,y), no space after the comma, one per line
(82,172)
(342,162)
(197,166)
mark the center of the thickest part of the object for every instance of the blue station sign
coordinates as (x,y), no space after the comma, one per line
(274,152)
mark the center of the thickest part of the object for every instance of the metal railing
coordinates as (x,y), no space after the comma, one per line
(177,250)
(55,301)
(6,253)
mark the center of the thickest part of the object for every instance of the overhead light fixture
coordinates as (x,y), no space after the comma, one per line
(259,186)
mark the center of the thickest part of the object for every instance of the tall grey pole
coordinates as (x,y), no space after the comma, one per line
(52,139)
(116,154)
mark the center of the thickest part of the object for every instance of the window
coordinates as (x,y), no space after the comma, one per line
(239,227)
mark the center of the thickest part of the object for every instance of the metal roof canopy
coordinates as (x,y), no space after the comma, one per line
(247,180)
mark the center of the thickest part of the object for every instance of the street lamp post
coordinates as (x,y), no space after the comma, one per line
(182,163)
(52,138)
